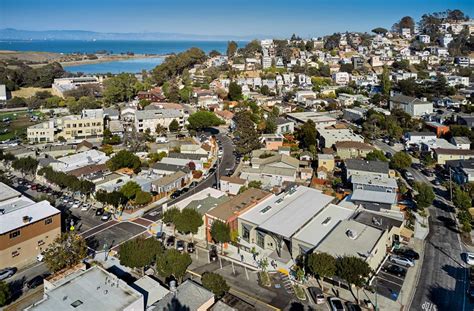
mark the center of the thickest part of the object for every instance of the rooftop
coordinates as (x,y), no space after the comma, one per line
(368,166)
(350,238)
(377,221)
(188,296)
(374,196)
(93,289)
(157,114)
(374,180)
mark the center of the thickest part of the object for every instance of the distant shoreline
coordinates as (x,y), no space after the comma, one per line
(109,58)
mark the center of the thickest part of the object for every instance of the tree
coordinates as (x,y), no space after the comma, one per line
(346,68)
(173,263)
(26,165)
(405,22)
(461,199)
(248,138)
(170,215)
(400,160)
(307,134)
(175,65)
(140,252)
(124,158)
(67,250)
(5,293)
(130,189)
(203,119)
(353,270)
(376,155)
(214,53)
(322,265)
(235,91)
(265,90)
(220,232)
(385,82)
(189,221)
(119,88)
(174,126)
(231,49)
(425,195)
(379,30)
(215,283)
(142,198)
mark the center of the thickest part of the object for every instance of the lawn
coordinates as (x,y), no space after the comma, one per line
(27,92)
(16,128)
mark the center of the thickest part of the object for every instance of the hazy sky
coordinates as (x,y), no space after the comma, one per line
(223,17)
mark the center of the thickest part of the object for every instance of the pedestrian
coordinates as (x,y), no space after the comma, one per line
(242,257)
(254,257)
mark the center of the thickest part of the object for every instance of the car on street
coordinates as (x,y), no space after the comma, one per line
(395,270)
(6,273)
(193,184)
(470,258)
(190,248)
(85,207)
(40,257)
(436,182)
(350,306)
(407,253)
(336,304)
(99,212)
(180,245)
(35,282)
(317,295)
(106,216)
(405,262)
(213,253)
(76,204)
(175,194)
(170,241)
(160,236)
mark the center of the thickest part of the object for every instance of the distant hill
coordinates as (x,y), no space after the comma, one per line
(16,34)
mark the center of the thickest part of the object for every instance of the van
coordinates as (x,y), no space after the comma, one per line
(161,140)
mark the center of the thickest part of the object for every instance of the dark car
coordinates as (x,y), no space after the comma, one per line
(190,248)
(193,184)
(170,241)
(106,216)
(407,253)
(160,236)
(350,306)
(336,304)
(317,295)
(35,282)
(180,245)
(213,253)
(99,212)
(395,270)
(176,194)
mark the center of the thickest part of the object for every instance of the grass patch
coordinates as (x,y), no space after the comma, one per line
(27,92)
(16,128)
(264,279)
(299,292)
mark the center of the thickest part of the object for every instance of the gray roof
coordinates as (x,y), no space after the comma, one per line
(421,134)
(280,121)
(188,296)
(157,114)
(206,204)
(374,196)
(286,213)
(93,289)
(461,140)
(407,99)
(189,156)
(111,112)
(367,166)
(374,181)
(170,167)
(377,221)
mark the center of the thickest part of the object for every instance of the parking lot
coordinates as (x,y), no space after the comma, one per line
(388,284)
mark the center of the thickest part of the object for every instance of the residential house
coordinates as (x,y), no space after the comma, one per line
(413,106)
(272,141)
(169,183)
(461,142)
(284,126)
(231,185)
(443,155)
(327,161)
(352,149)
(393,223)
(149,119)
(419,137)
(363,167)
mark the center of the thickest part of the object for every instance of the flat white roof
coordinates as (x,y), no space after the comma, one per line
(374,180)
(78,160)
(13,219)
(7,192)
(205,193)
(286,213)
(315,231)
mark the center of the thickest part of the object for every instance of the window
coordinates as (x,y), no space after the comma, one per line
(245,233)
(47,221)
(14,234)
(76,303)
(40,242)
(15,254)
(260,240)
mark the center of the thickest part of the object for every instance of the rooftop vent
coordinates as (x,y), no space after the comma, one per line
(351,234)
(377,222)
(26,219)
(326,221)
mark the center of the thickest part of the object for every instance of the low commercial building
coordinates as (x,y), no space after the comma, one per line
(41,133)
(374,183)
(61,86)
(419,137)
(189,295)
(92,289)
(79,160)
(26,228)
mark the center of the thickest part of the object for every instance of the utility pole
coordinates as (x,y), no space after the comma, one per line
(450,185)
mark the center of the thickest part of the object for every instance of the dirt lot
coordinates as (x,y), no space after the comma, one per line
(27,92)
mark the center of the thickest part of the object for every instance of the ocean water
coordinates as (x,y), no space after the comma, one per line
(115,67)
(113,46)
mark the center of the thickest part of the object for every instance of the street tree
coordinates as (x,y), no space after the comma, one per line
(215,283)
(203,119)
(307,135)
(376,155)
(4,293)
(353,270)
(27,166)
(400,160)
(425,195)
(173,263)
(461,199)
(322,265)
(67,250)
(189,221)
(220,232)
(140,252)
(130,189)
(142,197)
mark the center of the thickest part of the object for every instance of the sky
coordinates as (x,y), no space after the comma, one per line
(278,18)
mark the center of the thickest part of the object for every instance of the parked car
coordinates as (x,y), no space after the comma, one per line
(436,182)
(170,241)
(35,282)
(193,184)
(317,295)
(395,270)
(76,204)
(336,304)
(407,253)
(470,258)
(160,236)
(180,245)
(6,273)
(190,248)
(213,253)
(85,207)
(405,262)
(175,194)
(99,212)
(350,306)
(106,216)
(40,257)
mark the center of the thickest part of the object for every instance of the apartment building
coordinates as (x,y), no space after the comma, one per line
(89,124)
(149,119)
(26,227)
(42,132)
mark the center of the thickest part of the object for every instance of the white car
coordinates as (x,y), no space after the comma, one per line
(402,261)
(76,204)
(40,257)
(85,207)
(470,258)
